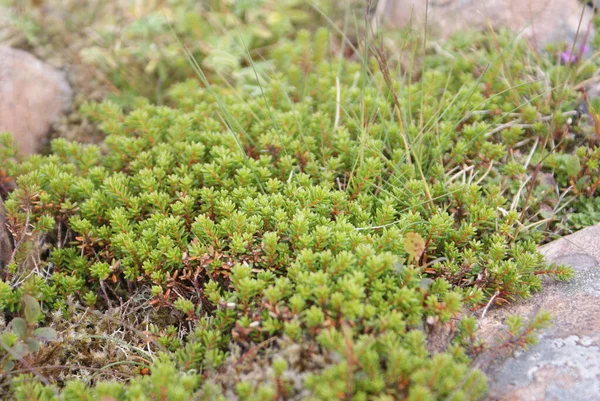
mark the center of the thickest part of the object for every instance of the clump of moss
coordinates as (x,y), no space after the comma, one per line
(308,229)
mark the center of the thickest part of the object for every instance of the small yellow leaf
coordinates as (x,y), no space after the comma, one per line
(414,245)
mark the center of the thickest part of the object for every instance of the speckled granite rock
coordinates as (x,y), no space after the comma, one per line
(542,21)
(565,365)
(33,95)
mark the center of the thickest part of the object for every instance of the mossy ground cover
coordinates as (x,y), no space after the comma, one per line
(300,231)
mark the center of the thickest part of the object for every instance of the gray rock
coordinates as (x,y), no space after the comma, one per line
(565,364)
(541,21)
(33,95)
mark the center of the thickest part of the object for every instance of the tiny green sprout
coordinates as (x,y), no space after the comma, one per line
(243,389)
(280,365)
(90,298)
(314,317)
(293,330)
(265,393)
(156,291)
(184,305)
(100,270)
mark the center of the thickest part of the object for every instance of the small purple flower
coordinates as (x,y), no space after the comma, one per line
(569,57)
(583,48)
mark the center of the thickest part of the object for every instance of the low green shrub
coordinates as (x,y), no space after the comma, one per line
(299,237)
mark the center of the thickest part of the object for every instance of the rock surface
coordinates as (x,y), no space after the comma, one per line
(565,364)
(33,95)
(542,21)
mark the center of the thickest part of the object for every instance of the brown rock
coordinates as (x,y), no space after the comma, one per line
(542,21)
(33,95)
(565,364)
